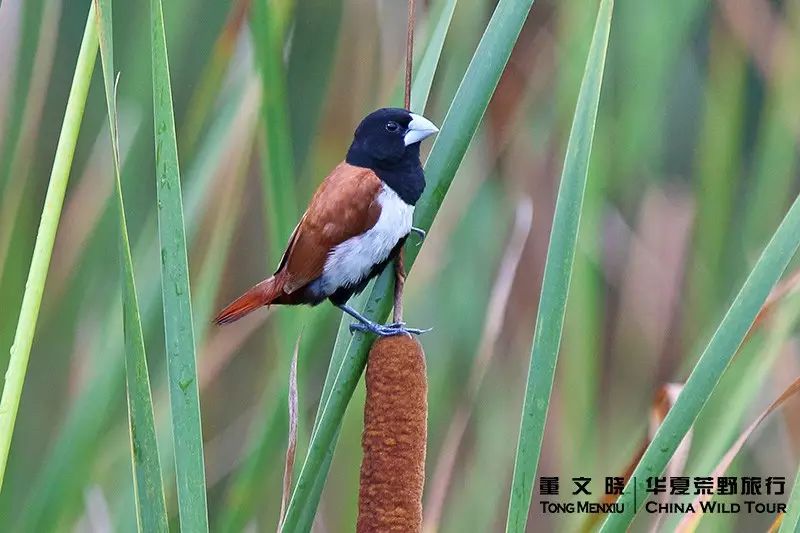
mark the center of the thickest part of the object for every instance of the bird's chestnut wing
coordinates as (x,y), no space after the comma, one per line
(344,206)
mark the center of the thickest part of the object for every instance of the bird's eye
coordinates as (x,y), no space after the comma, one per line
(392,126)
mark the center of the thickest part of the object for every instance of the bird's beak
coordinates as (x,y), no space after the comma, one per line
(418,129)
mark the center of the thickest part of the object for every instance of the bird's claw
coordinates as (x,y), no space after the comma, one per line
(419,232)
(388,330)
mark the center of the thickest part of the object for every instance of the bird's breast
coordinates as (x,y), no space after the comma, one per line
(349,262)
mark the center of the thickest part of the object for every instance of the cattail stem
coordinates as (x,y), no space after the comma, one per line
(409,52)
(395,437)
(399,266)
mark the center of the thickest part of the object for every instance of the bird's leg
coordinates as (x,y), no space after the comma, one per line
(420,233)
(368,326)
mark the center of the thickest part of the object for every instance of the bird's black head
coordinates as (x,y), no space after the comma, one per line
(389,137)
(387,141)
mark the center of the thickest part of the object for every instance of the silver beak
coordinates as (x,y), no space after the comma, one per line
(418,129)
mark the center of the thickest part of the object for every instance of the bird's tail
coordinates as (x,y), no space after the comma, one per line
(262,294)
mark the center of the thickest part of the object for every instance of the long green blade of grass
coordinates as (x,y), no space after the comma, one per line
(557,274)
(148,488)
(458,128)
(279,185)
(715,358)
(86,427)
(423,78)
(179,331)
(724,412)
(43,249)
(751,376)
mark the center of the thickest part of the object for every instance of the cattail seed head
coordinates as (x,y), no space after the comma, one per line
(395,436)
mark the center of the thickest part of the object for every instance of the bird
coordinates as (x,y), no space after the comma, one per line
(355,225)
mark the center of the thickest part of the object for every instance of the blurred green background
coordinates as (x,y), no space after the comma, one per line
(694,163)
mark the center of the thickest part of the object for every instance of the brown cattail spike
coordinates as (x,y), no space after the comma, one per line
(395,436)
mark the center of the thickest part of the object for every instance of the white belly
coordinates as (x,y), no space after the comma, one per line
(349,262)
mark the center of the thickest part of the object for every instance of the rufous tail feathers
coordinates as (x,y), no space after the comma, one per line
(262,294)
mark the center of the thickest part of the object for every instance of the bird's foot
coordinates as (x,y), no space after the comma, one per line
(388,330)
(368,326)
(419,232)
